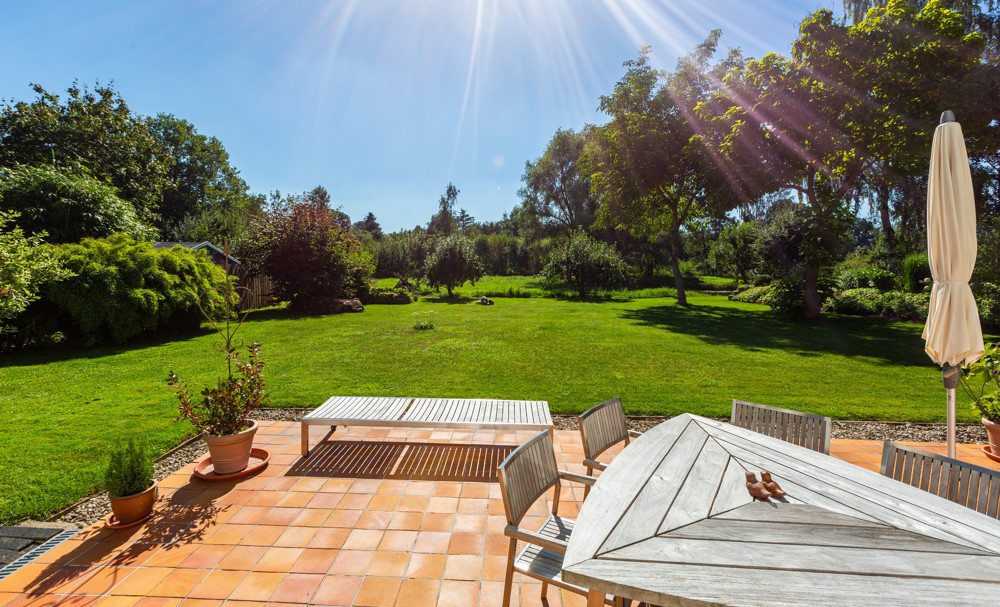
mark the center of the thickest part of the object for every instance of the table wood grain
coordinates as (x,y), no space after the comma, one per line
(670,522)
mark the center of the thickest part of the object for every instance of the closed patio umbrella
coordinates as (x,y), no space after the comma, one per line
(952,334)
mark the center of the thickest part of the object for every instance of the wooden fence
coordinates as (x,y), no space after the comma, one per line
(260,289)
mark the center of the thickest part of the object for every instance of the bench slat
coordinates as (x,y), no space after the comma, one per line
(452,413)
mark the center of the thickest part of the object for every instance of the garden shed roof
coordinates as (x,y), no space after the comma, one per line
(217,254)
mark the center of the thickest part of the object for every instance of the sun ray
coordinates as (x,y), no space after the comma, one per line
(469,78)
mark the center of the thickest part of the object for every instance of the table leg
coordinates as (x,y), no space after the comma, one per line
(305,439)
(595,598)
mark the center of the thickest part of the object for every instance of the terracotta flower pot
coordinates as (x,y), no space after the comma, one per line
(230,453)
(131,508)
(993,433)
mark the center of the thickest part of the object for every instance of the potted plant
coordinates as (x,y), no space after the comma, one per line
(981,381)
(223,415)
(129,482)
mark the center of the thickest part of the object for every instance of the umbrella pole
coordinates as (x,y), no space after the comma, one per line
(951,375)
(951,422)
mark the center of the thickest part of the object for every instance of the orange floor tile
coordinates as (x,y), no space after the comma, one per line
(373,517)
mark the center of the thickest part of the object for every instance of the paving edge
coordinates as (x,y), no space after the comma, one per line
(36,552)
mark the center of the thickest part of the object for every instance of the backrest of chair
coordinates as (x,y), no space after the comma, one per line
(526,474)
(961,482)
(602,426)
(803,429)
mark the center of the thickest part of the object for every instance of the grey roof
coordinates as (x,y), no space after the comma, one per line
(194,246)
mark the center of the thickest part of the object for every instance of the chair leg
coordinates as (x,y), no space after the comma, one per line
(545,589)
(586,488)
(508,580)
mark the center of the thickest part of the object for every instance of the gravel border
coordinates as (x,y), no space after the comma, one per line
(95,507)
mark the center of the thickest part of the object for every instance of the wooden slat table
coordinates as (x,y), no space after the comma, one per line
(428,413)
(670,522)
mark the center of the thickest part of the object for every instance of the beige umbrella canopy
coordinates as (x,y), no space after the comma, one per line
(952,334)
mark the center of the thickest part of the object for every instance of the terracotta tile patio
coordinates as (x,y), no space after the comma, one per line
(376,517)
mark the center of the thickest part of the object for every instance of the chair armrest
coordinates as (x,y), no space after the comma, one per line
(634,433)
(577,478)
(534,538)
(593,463)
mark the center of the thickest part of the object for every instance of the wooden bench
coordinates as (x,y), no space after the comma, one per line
(803,429)
(961,482)
(428,413)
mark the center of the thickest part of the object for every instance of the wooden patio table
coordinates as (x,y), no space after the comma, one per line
(671,522)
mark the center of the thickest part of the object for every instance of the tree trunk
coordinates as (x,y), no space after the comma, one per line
(811,294)
(675,254)
(882,193)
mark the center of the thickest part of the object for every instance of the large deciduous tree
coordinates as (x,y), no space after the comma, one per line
(847,99)
(93,128)
(980,15)
(443,222)
(206,199)
(556,188)
(647,162)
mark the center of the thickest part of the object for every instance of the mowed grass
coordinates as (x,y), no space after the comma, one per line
(533,286)
(62,409)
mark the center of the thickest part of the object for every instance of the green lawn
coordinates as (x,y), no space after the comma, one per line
(61,409)
(532,286)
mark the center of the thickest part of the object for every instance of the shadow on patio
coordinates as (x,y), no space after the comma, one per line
(403,461)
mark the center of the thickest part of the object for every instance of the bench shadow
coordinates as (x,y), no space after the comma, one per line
(403,461)
(882,339)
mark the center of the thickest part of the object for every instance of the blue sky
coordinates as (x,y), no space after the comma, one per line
(383,102)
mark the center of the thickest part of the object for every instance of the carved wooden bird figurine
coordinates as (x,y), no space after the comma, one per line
(755,488)
(770,485)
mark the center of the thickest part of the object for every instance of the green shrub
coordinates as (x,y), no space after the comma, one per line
(755,295)
(867,278)
(761,280)
(786,294)
(26,263)
(381,295)
(862,302)
(424,322)
(915,269)
(872,302)
(988,300)
(585,263)
(130,469)
(908,306)
(67,204)
(122,288)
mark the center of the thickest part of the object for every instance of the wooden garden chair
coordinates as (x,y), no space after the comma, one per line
(601,427)
(961,482)
(803,429)
(527,474)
